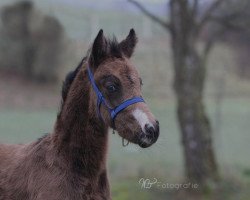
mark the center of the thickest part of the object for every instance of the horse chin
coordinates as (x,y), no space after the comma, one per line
(144,142)
(141,141)
(144,145)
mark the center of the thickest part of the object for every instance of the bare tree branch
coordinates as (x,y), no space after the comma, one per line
(207,49)
(150,15)
(229,22)
(234,18)
(195,7)
(208,13)
(209,44)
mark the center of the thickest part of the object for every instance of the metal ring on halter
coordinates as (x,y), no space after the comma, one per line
(123,142)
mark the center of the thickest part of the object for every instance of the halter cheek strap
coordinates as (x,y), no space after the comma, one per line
(101,100)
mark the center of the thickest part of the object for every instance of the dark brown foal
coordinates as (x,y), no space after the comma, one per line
(70,163)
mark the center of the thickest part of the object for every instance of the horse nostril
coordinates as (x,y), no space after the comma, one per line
(149,136)
(152,131)
(149,129)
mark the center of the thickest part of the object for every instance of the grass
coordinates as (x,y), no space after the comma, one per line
(21,126)
(164,159)
(129,189)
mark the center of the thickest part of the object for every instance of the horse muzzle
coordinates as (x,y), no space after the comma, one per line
(149,136)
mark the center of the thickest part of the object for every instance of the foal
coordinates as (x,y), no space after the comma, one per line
(70,163)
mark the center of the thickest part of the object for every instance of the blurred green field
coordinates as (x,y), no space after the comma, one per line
(164,159)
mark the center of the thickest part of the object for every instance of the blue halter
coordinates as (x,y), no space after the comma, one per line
(101,100)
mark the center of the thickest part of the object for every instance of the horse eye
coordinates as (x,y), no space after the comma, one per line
(111,88)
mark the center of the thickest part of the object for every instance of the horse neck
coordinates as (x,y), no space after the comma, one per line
(79,135)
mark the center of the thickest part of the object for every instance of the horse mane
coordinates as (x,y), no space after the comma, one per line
(114,50)
(69,80)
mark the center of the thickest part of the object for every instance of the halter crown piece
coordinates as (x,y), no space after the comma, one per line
(101,100)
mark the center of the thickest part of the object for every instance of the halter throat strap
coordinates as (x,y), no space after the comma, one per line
(101,100)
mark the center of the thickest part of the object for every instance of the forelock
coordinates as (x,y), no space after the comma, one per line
(114,48)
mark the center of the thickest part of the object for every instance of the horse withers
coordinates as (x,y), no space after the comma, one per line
(103,92)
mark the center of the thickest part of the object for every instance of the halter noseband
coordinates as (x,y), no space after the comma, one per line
(101,100)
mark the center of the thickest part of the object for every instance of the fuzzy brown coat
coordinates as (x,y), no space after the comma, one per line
(68,164)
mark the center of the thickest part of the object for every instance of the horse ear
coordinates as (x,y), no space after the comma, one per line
(128,45)
(99,49)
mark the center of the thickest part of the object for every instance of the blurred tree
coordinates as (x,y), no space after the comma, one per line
(232,25)
(185,25)
(187,20)
(50,46)
(31,43)
(17,35)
